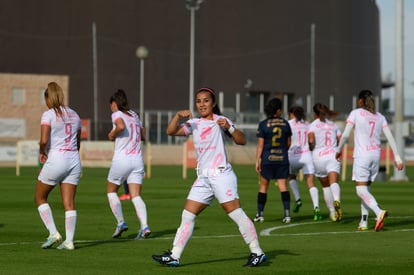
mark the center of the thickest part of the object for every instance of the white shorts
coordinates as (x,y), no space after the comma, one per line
(126,169)
(325,166)
(62,167)
(365,169)
(301,161)
(223,187)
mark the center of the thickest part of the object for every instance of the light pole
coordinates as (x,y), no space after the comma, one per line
(141,53)
(192,5)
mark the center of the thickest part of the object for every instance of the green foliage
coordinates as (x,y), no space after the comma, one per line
(302,247)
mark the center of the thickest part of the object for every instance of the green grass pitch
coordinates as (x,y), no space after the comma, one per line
(302,247)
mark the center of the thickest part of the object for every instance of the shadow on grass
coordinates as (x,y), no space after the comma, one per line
(271,256)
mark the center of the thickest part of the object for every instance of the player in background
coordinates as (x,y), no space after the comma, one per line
(125,196)
(323,137)
(215,176)
(368,126)
(272,162)
(300,157)
(127,163)
(60,130)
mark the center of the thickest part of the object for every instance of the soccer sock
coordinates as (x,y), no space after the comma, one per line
(183,234)
(116,207)
(294,187)
(261,203)
(47,217)
(70,224)
(364,212)
(327,195)
(141,210)
(368,199)
(286,203)
(313,191)
(247,230)
(336,191)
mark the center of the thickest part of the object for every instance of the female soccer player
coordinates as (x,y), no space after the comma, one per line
(300,157)
(60,129)
(127,163)
(368,125)
(215,176)
(273,141)
(324,136)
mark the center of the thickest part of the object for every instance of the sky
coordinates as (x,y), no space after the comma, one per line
(387,9)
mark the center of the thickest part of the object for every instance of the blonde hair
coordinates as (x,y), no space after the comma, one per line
(54,94)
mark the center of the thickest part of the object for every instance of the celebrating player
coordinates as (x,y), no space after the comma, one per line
(368,125)
(60,129)
(215,176)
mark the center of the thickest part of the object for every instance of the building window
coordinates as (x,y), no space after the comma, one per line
(18,96)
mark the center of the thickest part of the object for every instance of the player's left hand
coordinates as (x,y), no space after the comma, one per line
(223,123)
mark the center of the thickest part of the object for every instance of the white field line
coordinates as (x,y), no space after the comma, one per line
(265,232)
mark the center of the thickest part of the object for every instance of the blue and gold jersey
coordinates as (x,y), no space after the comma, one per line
(275,131)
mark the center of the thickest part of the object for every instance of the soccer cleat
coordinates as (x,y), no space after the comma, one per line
(125,197)
(317,214)
(380,220)
(119,229)
(143,233)
(66,246)
(298,204)
(51,240)
(332,216)
(258,218)
(286,220)
(338,211)
(166,259)
(362,227)
(255,260)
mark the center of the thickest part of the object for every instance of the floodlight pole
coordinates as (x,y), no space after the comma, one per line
(399,87)
(192,5)
(141,53)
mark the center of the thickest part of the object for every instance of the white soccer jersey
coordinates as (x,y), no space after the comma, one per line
(299,140)
(63,162)
(208,139)
(368,127)
(299,154)
(326,134)
(63,129)
(128,142)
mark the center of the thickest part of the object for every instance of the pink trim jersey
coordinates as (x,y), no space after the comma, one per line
(299,141)
(368,128)
(300,156)
(208,139)
(128,142)
(326,134)
(63,130)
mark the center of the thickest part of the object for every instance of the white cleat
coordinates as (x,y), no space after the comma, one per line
(51,240)
(66,246)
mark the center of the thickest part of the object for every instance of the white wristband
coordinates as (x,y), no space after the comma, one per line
(231,129)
